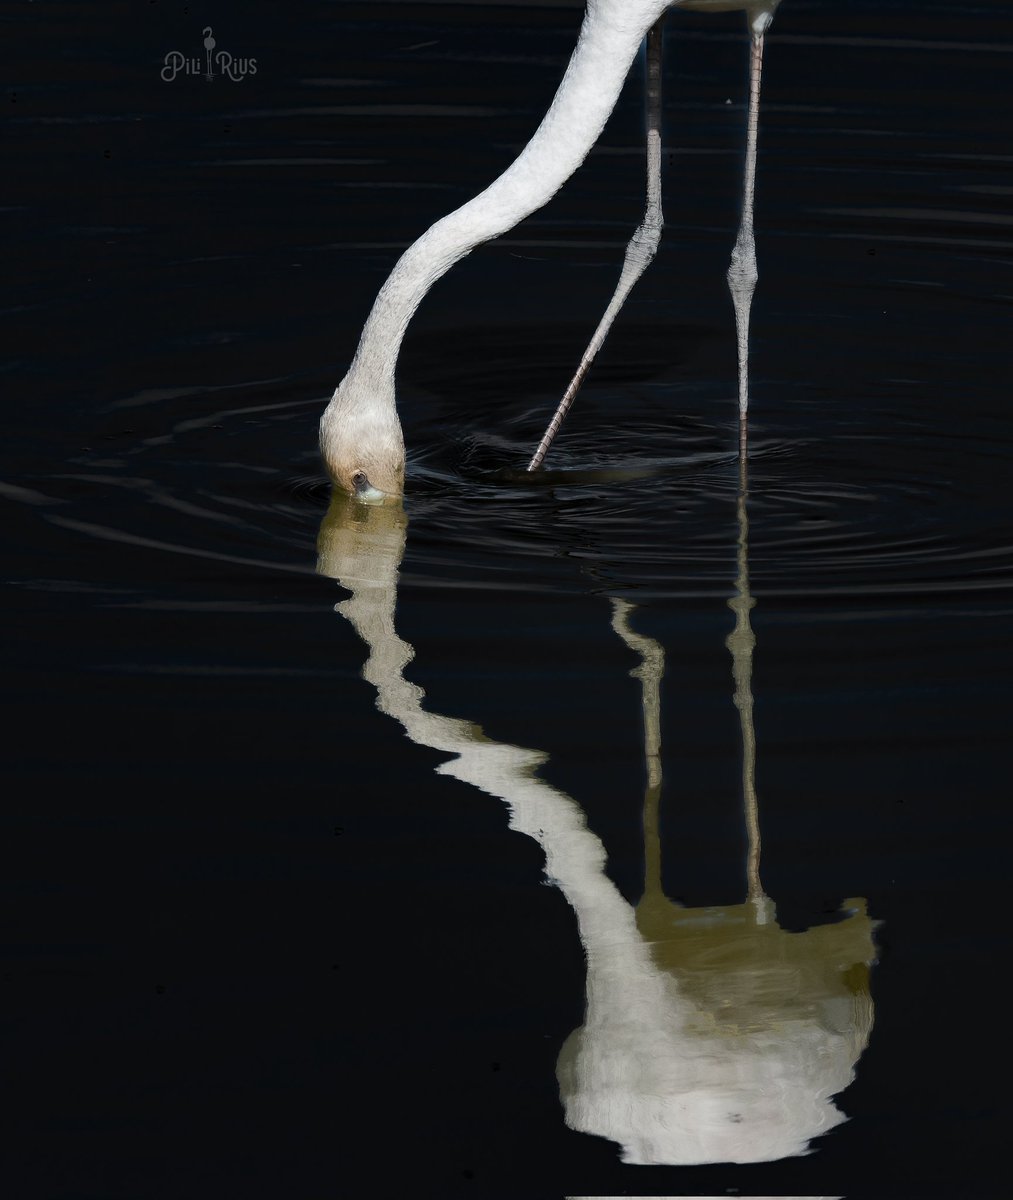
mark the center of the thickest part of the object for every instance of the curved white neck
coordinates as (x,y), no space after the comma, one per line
(586,97)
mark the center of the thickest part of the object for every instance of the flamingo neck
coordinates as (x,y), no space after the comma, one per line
(607,45)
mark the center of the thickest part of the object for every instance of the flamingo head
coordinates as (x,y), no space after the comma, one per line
(362,443)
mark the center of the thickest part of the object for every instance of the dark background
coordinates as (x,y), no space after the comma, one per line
(254,946)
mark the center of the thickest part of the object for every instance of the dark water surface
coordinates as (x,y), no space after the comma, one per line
(256,944)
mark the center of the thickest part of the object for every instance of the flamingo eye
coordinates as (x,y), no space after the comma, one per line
(359,481)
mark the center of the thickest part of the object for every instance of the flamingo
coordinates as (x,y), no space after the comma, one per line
(360,433)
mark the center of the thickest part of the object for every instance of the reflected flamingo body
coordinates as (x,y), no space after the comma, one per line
(710,1034)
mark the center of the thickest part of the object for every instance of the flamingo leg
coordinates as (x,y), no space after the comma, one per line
(742,274)
(639,253)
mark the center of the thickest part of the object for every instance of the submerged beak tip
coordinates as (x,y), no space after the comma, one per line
(372,495)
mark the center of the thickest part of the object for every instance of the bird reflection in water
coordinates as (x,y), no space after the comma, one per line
(756,1028)
(710,1034)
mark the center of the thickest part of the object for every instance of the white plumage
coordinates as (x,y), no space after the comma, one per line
(360,434)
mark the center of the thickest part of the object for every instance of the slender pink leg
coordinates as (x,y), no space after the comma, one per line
(641,250)
(742,274)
